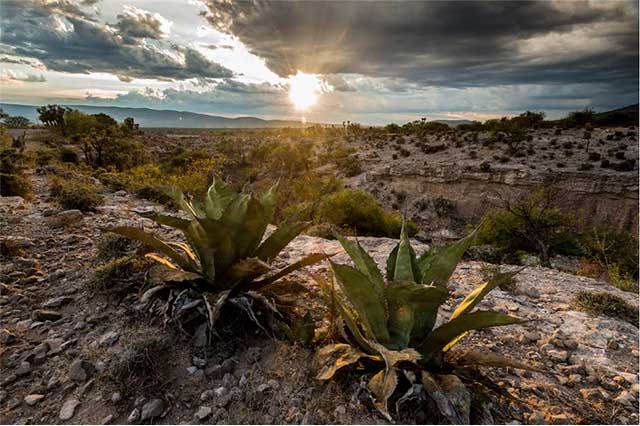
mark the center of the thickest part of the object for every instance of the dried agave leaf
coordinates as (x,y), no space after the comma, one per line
(439,396)
(214,303)
(382,385)
(329,359)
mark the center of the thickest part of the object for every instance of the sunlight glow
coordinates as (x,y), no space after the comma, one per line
(305,89)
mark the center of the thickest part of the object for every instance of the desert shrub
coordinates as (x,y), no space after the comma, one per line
(43,156)
(75,194)
(628,165)
(533,223)
(299,198)
(485,167)
(112,246)
(68,155)
(606,304)
(358,211)
(621,280)
(13,182)
(443,206)
(594,156)
(613,249)
(322,230)
(585,166)
(119,274)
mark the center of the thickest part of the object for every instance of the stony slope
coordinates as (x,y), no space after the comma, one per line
(63,345)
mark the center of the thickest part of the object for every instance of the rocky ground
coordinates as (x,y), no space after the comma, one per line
(71,355)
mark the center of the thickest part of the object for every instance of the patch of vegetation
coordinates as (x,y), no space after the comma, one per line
(75,193)
(606,304)
(119,274)
(394,319)
(112,246)
(360,213)
(225,258)
(443,206)
(533,223)
(12,166)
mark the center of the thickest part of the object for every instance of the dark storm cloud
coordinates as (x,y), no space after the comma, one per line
(452,44)
(64,37)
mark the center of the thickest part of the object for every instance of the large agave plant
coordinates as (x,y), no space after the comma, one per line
(225,257)
(393,322)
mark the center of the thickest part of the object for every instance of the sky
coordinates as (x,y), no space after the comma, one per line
(372,63)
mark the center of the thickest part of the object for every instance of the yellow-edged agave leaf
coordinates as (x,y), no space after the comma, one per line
(480,292)
(220,238)
(364,263)
(370,307)
(443,335)
(405,258)
(197,237)
(185,248)
(161,260)
(410,305)
(382,385)
(305,261)
(218,198)
(329,359)
(279,239)
(438,266)
(157,244)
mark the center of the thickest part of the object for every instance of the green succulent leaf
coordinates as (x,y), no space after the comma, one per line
(218,198)
(438,266)
(305,261)
(163,219)
(252,229)
(443,335)
(391,263)
(410,305)
(371,308)
(480,292)
(403,270)
(178,197)
(364,263)
(279,239)
(157,244)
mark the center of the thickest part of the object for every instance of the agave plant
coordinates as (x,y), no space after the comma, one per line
(392,322)
(225,257)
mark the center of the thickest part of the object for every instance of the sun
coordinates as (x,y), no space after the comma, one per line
(305,89)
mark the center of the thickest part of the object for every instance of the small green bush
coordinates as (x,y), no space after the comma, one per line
(13,182)
(443,206)
(43,156)
(75,194)
(68,155)
(117,273)
(359,212)
(113,246)
(606,304)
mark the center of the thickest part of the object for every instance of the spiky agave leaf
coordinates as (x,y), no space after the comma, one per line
(364,263)
(437,266)
(158,245)
(445,405)
(370,307)
(409,305)
(279,239)
(443,335)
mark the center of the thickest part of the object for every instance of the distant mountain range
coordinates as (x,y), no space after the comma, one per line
(147,117)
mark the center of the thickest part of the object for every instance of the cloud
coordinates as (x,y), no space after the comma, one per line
(135,23)
(65,38)
(446,44)
(8,76)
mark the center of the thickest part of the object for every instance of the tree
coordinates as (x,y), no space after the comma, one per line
(95,132)
(52,115)
(531,223)
(17,121)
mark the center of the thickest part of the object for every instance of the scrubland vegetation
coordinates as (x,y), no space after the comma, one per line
(224,192)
